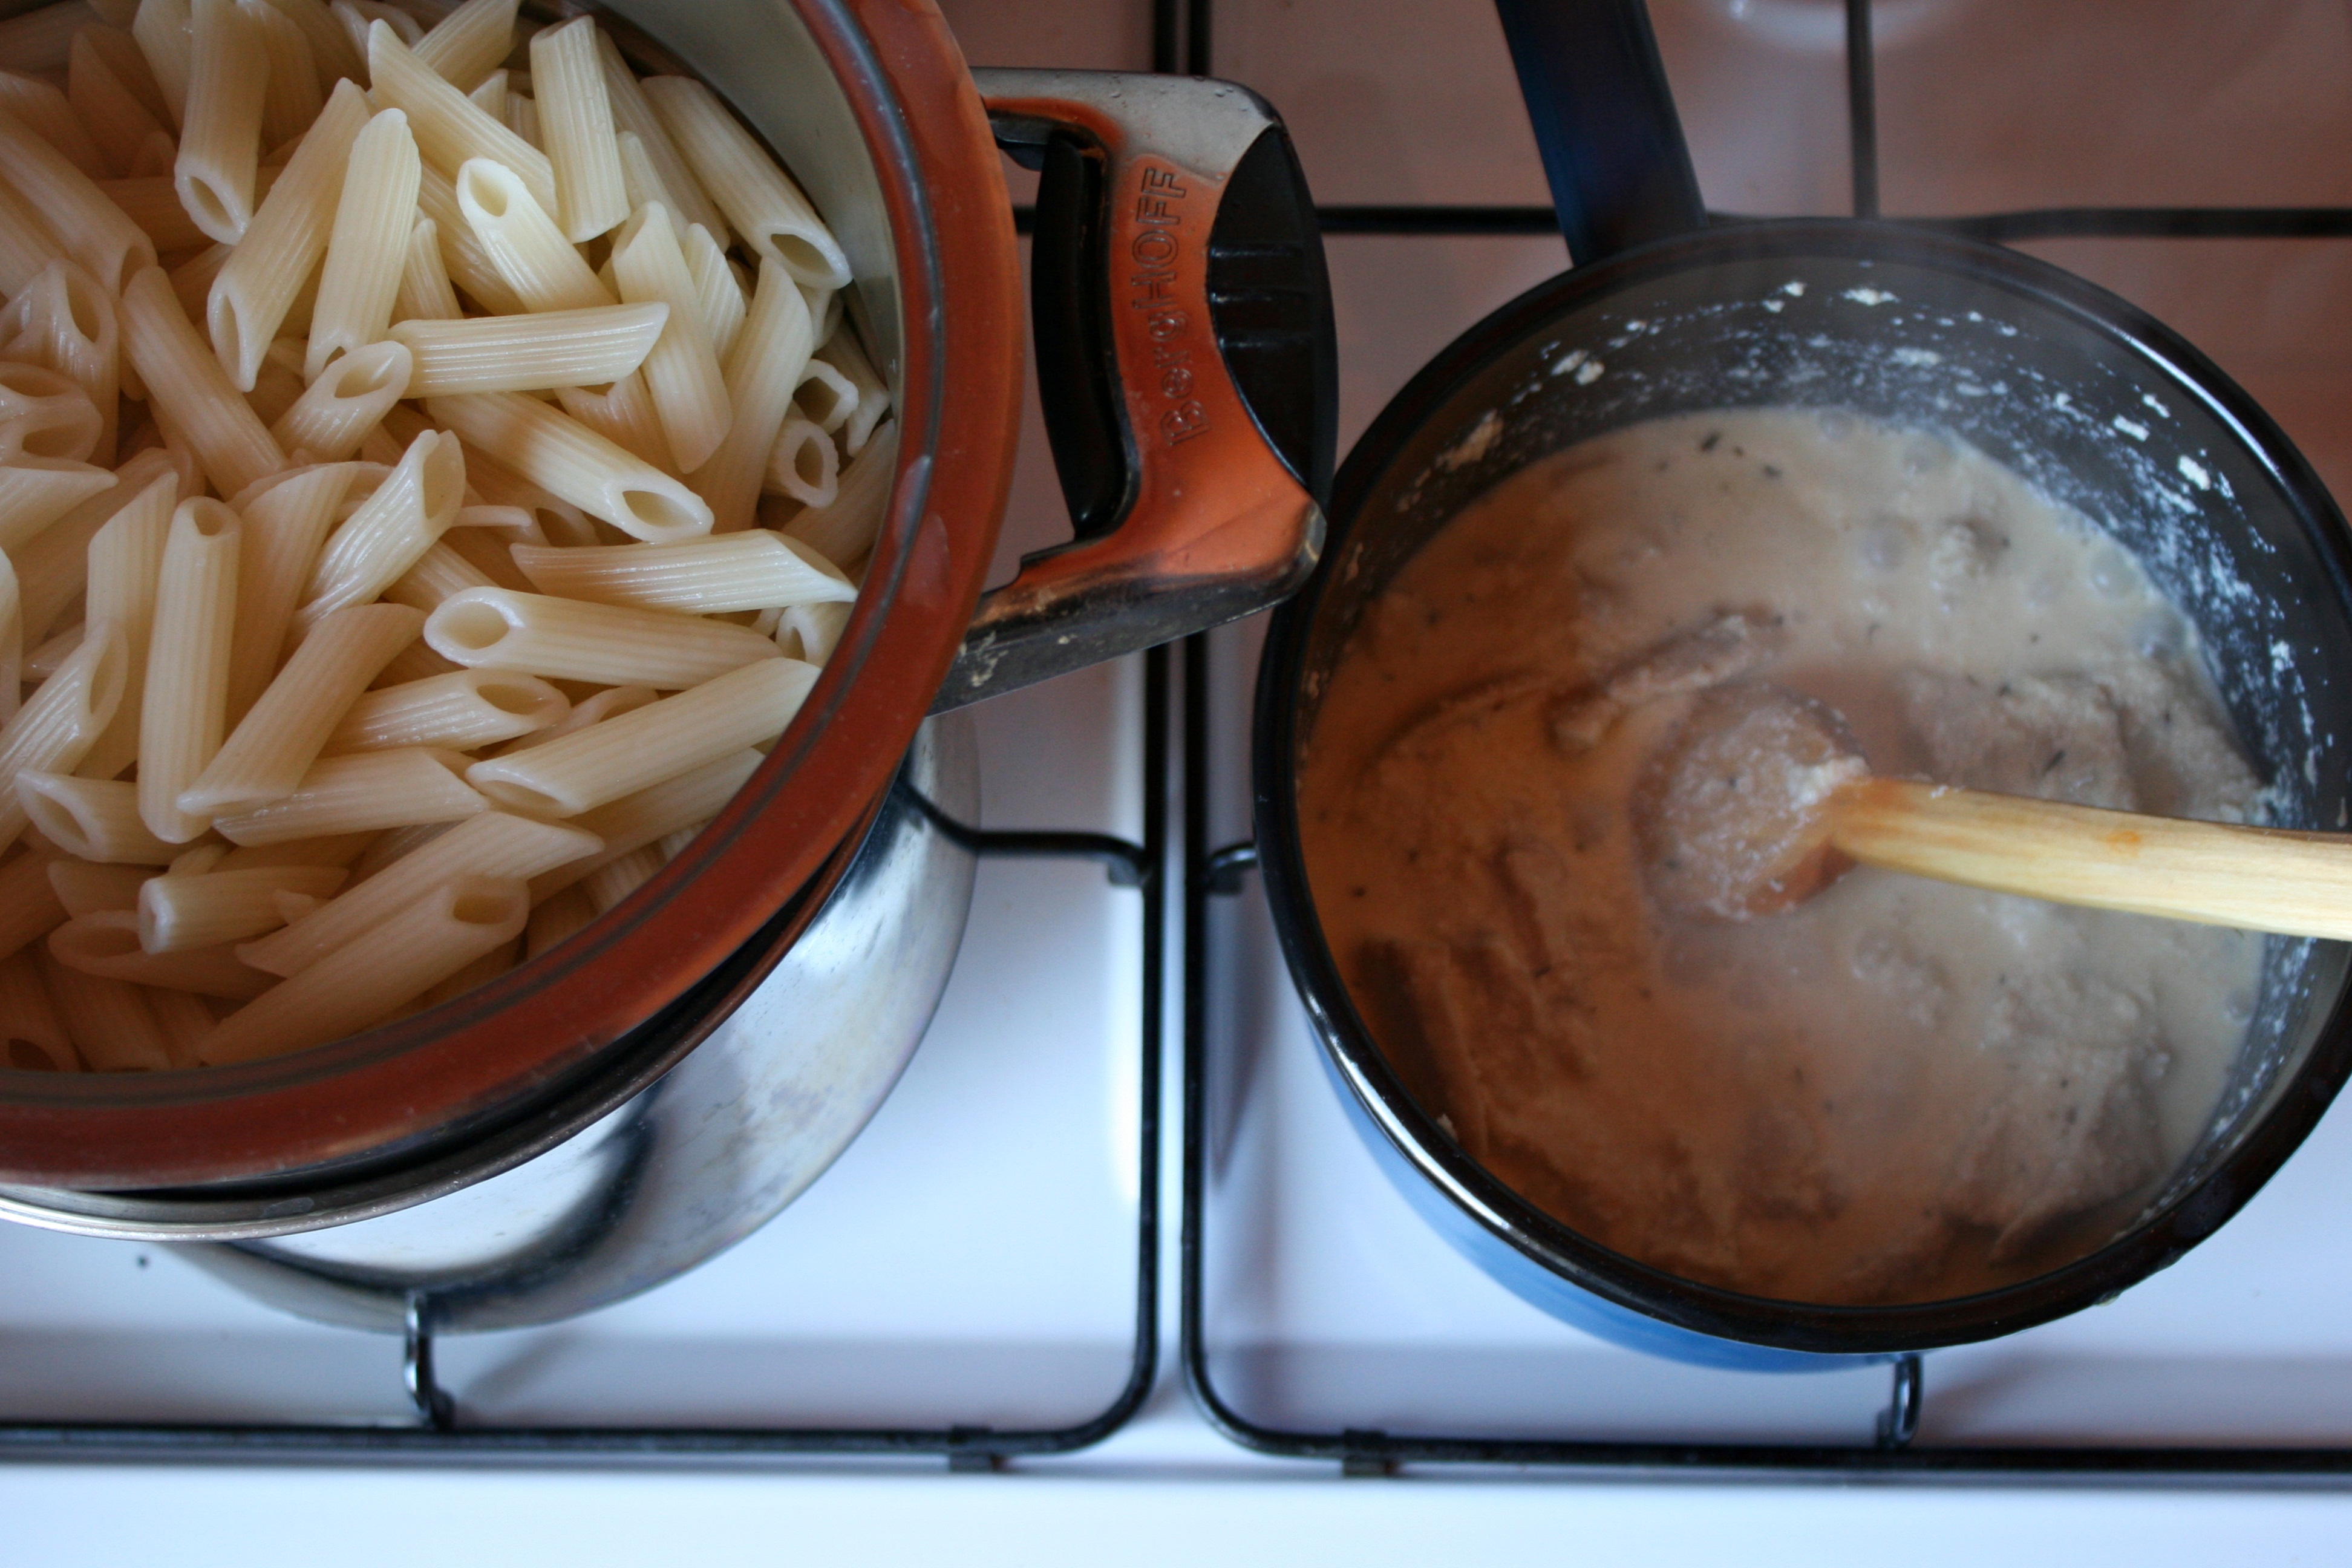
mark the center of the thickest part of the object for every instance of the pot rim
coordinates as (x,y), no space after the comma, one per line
(2155,1239)
(425,1083)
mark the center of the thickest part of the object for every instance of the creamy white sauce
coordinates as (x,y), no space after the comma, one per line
(1899,1091)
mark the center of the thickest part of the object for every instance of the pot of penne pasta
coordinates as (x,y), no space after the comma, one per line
(493,511)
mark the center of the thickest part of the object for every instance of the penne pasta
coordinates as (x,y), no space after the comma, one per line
(53,570)
(449,128)
(285,528)
(114,48)
(125,570)
(87,226)
(256,287)
(165,32)
(12,643)
(553,920)
(62,320)
(461,711)
(468,262)
(489,95)
(576,126)
(57,724)
(332,51)
(184,1018)
(873,403)
(608,645)
(522,242)
(762,204)
(45,414)
(413,506)
(566,458)
(682,371)
(111,1027)
(35,492)
(847,530)
(760,374)
(716,292)
(618,878)
(494,843)
(424,291)
(85,888)
(756,569)
(624,754)
(47,111)
(295,92)
(220,134)
(178,913)
(803,464)
(363,790)
(633,114)
(27,245)
(184,716)
(341,849)
(467,45)
(640,181)
(623,414)
(269,754)
(556,517)
(532,353)
(186,383)
(92,819)
(367,244)
(651,815)
(33,1038)
(348,989)
(29,906)
(439,573)
(327,423)
(36,40)
(415,662)
(46,659)
(105,944)
(826,396)
(815,630)
(588,711)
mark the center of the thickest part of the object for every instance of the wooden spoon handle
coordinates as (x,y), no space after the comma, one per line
(2255,879)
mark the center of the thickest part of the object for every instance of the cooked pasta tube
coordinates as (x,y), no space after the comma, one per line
(623,414)
(12,643)
(126,567)
(464,711)
(725,573)
(328,422)
(92,819)
(89,227)
(576,127)
(682,371)
(368,244)
(85,887)
(412,508)
(847,530)
(364,982)
(415,662)
(111,1027)
(441,573)
(177,912)
(26,243)
(449,128)
(62,320)
(107,945)
(761,375)
(58,724)
(489,95)
(618,878)
(803,464)
(817,628)
(331,49)
(825,395)
(164,31)
(716,293)
(640,181)
(394,845)
(358,15)
(494,843)
(29,907)
(609,645)
(558,520)
(186,384)
(269,754)
(185,714)
(424,293)
(566,458)
(47,111)
(634,114)
(33,1038)
(466,44)
(844,354)
(365,789)
(285,528)
(479,973)
(623,755)
(531,353)
(463,255)
(35,492)
(255,290)
(761,201)
(541,266)
(553,920)
(117,121)
(339,849)
(295,93)
(588,711)
(220,134)
(44,413)
(46,659)
(196,860)
(183,1016)
(52,569)
(650,815)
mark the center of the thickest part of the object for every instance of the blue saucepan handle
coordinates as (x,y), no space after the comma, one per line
(1613,147)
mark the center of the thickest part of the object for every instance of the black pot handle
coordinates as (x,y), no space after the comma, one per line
(1604,120)
(1186,360)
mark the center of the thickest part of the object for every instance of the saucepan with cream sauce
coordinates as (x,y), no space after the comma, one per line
(2021,537)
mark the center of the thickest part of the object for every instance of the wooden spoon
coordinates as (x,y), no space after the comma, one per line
(1762,797)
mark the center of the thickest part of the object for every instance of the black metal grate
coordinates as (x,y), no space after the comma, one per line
(1218,872)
